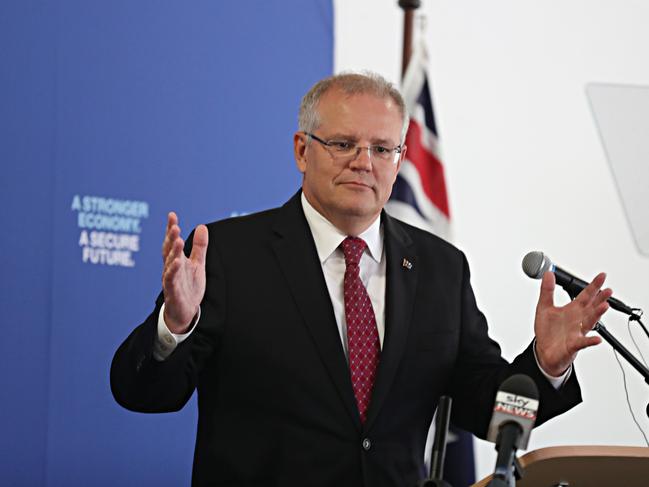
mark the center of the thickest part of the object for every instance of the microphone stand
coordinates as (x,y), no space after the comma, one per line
(619,348)
(438,454)
(615,343)
(622,350)
(508,468)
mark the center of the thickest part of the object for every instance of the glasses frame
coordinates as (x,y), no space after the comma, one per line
(327,144)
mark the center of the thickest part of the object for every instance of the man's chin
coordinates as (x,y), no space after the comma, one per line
(358,207)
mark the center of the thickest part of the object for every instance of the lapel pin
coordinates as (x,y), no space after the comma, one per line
(406,263)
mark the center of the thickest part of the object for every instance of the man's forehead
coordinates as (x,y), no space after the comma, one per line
(355,113)
(334,97)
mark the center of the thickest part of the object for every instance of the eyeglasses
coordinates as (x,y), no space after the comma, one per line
(344,150)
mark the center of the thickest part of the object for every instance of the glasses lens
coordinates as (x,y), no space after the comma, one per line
(342,147)
(381,153)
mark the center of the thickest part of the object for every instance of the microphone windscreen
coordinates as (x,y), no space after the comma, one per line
(521,385)
(535,264)
(517,401)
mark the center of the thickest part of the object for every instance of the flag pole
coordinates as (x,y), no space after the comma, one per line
(409,7)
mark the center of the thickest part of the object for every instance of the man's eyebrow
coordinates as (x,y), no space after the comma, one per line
(384,142)
(354,138)
(341,136)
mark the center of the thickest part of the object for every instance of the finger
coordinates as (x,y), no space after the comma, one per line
(169,276)
(587,341)
(199,245)
(589,322)
(172,234)
(172,219)
(602,297)
(589,292)
(175,252)
(546,296)
(170,242)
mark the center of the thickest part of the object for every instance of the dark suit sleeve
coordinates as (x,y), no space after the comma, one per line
(480,370)
(141,383)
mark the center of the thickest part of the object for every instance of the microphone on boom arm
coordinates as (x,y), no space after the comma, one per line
(536,263)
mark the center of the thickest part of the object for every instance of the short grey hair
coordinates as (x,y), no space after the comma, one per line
(351,84)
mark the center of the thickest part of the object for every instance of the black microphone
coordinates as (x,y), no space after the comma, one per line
(535,264)
(517,402)
(438,454)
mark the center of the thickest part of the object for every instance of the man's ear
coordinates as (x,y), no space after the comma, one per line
(299,150)
(402,156)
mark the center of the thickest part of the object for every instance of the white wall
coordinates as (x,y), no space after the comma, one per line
(525,166)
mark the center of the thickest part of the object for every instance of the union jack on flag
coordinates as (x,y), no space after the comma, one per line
(419,194)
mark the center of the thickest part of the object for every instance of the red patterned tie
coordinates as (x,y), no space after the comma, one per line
(362,334)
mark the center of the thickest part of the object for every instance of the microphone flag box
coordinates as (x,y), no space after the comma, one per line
(510,407)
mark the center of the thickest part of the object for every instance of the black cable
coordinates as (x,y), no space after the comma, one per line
(642,324)
(637,314)
(628,401)
(637,348)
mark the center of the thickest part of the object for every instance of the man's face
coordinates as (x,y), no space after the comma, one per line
(350,193)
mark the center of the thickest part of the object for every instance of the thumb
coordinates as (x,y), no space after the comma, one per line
(199,245)
(546,296)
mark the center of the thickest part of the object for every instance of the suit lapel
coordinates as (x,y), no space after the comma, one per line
(297,256)
(401,282)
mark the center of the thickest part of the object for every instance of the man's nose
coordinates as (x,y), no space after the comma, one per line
(362,160)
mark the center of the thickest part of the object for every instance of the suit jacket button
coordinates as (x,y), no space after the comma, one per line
(367,444)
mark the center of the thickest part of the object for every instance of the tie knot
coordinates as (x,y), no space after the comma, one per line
(353,249)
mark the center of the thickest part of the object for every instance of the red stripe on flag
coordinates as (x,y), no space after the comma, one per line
(429,167)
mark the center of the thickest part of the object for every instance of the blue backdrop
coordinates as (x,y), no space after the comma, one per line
(112,114)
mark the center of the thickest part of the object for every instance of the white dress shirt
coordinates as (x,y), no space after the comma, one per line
(372,267)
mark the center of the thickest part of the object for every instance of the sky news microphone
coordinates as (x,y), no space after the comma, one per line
(536,263)
(517,402)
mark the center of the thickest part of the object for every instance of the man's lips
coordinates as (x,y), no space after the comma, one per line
(356,184)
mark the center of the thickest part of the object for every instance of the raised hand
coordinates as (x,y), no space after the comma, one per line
(562,331)
(183,278)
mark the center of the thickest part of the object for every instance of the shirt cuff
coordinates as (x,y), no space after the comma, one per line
(166,342)
(557,382)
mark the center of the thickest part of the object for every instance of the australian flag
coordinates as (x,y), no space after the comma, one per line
(419,197)
(419,194)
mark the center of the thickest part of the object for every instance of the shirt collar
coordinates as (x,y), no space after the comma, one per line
(328,238)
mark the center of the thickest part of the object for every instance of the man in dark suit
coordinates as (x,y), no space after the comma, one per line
(320,335)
